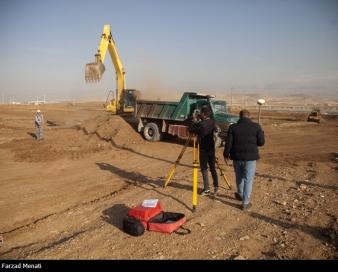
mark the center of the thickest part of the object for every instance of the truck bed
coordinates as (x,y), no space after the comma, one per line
(156,109)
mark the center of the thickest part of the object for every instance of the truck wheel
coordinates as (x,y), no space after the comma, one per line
(151,132)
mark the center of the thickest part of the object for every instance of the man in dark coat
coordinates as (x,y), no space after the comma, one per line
(242,143)
(205,129)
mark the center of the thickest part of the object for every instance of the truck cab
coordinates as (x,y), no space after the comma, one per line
(220,113)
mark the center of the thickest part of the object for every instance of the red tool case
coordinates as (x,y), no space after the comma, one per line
(155,219)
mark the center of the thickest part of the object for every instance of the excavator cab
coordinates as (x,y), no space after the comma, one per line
(129,97)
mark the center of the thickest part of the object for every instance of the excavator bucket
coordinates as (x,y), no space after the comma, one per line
(94,71)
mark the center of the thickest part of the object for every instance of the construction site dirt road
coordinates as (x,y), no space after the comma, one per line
(65,197)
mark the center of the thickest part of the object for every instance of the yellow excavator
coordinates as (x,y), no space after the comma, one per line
(125,99)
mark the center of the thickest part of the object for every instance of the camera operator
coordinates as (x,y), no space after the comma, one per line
(204,127)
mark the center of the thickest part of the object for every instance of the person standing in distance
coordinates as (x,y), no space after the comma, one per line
(39,125)
(242,144)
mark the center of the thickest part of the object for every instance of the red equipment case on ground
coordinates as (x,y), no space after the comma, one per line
(145,213)
(154,219)
(166,222)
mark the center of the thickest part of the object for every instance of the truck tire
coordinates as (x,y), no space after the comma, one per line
(151,132)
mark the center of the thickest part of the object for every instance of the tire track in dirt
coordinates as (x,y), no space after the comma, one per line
(48,244)
(28,225)
(52,217)
(22,249)
(95,200)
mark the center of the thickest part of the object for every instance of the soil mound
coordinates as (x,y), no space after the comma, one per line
(120,131)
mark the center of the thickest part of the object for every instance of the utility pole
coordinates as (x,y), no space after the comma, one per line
(44,99)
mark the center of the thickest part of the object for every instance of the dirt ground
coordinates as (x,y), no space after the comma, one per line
(65,197)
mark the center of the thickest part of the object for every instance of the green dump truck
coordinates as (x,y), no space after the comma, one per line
(159,118)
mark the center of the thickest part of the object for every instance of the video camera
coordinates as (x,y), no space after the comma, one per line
(196,116)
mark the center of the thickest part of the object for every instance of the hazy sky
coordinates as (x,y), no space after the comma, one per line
(271,46)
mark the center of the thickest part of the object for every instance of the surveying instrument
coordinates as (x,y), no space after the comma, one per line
(195,166)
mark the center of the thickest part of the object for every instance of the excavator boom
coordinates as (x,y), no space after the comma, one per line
(95,70)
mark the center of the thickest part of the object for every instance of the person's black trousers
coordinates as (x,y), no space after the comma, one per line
(208,158)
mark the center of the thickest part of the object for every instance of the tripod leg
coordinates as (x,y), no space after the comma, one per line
(194,186)
(195,175)
(173,169)
(222,173)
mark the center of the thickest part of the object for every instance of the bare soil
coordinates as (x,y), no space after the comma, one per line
(65,197)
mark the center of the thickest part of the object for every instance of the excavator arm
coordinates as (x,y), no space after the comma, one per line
(95,70)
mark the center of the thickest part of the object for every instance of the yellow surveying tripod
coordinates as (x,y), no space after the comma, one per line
(196,164)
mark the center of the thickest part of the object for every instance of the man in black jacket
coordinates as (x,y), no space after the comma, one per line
(243,140)
(205,131)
